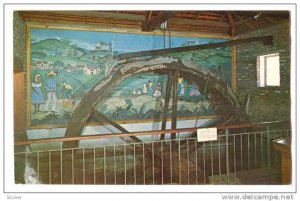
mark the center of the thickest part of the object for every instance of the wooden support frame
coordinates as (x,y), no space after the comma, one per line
(156,21)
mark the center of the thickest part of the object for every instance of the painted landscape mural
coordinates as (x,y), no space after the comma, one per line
(66,64)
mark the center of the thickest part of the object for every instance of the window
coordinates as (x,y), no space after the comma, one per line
(268,70)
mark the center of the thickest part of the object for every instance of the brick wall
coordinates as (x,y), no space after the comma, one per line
(266,103)
(19,45)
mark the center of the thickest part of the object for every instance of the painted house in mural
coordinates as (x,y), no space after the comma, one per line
(42,65)
(91,70)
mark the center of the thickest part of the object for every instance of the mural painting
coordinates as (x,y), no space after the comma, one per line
(66,64)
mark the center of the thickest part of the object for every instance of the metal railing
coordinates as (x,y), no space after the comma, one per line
(229,159)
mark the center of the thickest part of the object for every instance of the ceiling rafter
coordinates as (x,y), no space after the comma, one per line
(231,22)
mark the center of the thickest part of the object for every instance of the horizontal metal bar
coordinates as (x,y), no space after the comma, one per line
(141,133)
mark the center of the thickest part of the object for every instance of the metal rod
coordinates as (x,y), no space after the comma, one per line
(171,168)
(115,174)
(144,165)
(50,170)
(227,154)
(104,164)
(248,146)
(212,161)
(134,165)
(262,149)
(179,162)
(241,141)
(204,175)
(38,166)
(234,158)
(220,174)
(61,168)
(153,163)
(162,162)
(268,146)
(94,165)
(73,173)
(125,164)
(188,157)
(255,159)
(83,166)
(196,159)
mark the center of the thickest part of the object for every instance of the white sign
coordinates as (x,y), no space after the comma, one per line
(206,134)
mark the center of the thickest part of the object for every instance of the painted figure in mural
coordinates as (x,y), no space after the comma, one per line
(51,84)
(67,90)
(145,91)
(180,87)
(150,87)
(194,92)
(36,93)
(157,92)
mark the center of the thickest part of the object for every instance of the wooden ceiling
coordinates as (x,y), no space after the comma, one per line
(218,23)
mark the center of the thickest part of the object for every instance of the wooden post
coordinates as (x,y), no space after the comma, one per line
(233,69)
(166,104)
(174,106)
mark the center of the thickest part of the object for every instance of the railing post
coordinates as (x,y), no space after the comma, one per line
(268,146)
(227,153)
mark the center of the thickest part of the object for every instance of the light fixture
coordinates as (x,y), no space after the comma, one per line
(257,16)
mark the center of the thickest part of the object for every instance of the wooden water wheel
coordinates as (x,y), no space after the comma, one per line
(225,102)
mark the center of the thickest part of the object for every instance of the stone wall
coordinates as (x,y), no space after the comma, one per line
(266,103)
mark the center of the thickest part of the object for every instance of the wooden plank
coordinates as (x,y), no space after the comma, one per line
(156,21)
(174,106)
(266,40)
(166,105)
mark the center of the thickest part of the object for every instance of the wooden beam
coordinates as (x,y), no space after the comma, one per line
(156,21)
(260,27)
(178,21)
(166,104)
(174,106)
(231,22)
(113,123)
(147,19)
(266,40)
(91,14)
(244,21)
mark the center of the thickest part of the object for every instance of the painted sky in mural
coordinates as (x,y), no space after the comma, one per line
(66,64)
